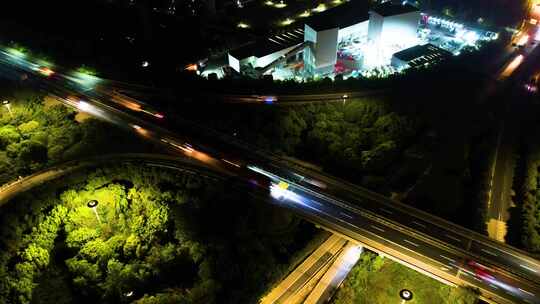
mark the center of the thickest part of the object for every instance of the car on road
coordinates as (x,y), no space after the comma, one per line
(532,85)
(482,272)
(267,99)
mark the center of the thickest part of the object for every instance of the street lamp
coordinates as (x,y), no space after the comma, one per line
(405,295)
(92,204)
(345,96)
(7,104)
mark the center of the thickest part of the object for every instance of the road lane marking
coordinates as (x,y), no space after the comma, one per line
(515,255)
(419,224)
(377,228)
(527,292)
(489,252)
(346,215)
(528,268)
(453,238)
(412,243)
(469,273)
(447,258)
(316,203)
(386,210)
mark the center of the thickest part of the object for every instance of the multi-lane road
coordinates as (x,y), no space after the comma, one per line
(427,243)
(296,100)
(513,78)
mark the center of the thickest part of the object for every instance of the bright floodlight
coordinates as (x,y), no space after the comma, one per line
(470,37)
(243,25)
(287,21)
(281,4)
(320,8)
(305,14)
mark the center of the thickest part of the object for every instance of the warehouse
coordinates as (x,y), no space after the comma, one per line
(418,56)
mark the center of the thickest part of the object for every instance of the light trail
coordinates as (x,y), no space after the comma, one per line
(512,66)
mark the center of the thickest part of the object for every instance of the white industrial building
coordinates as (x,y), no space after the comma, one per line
(261,55)
(350,36)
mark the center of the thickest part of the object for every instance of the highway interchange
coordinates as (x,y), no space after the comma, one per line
(446,251)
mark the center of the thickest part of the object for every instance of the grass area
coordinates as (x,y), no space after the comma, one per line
(375,280)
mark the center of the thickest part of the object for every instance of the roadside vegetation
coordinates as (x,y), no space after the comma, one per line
(156,236)
(524,222)
(363,140)
(38,131)
(412,144)
(376,280)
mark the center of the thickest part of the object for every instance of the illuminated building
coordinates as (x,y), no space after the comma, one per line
(393,24)
(349,35)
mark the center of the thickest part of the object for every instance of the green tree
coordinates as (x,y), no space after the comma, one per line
(169,296)
(36,255)
(33,151)
(97,250)
(8,135)
(85,274)
(28,127)
(290,129)
(23,284)
(80,236)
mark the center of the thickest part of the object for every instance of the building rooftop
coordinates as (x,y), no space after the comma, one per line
(421,54)
(391,9)
(269,45)
(341,16)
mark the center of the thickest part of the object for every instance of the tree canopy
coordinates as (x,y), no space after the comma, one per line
(156,236)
